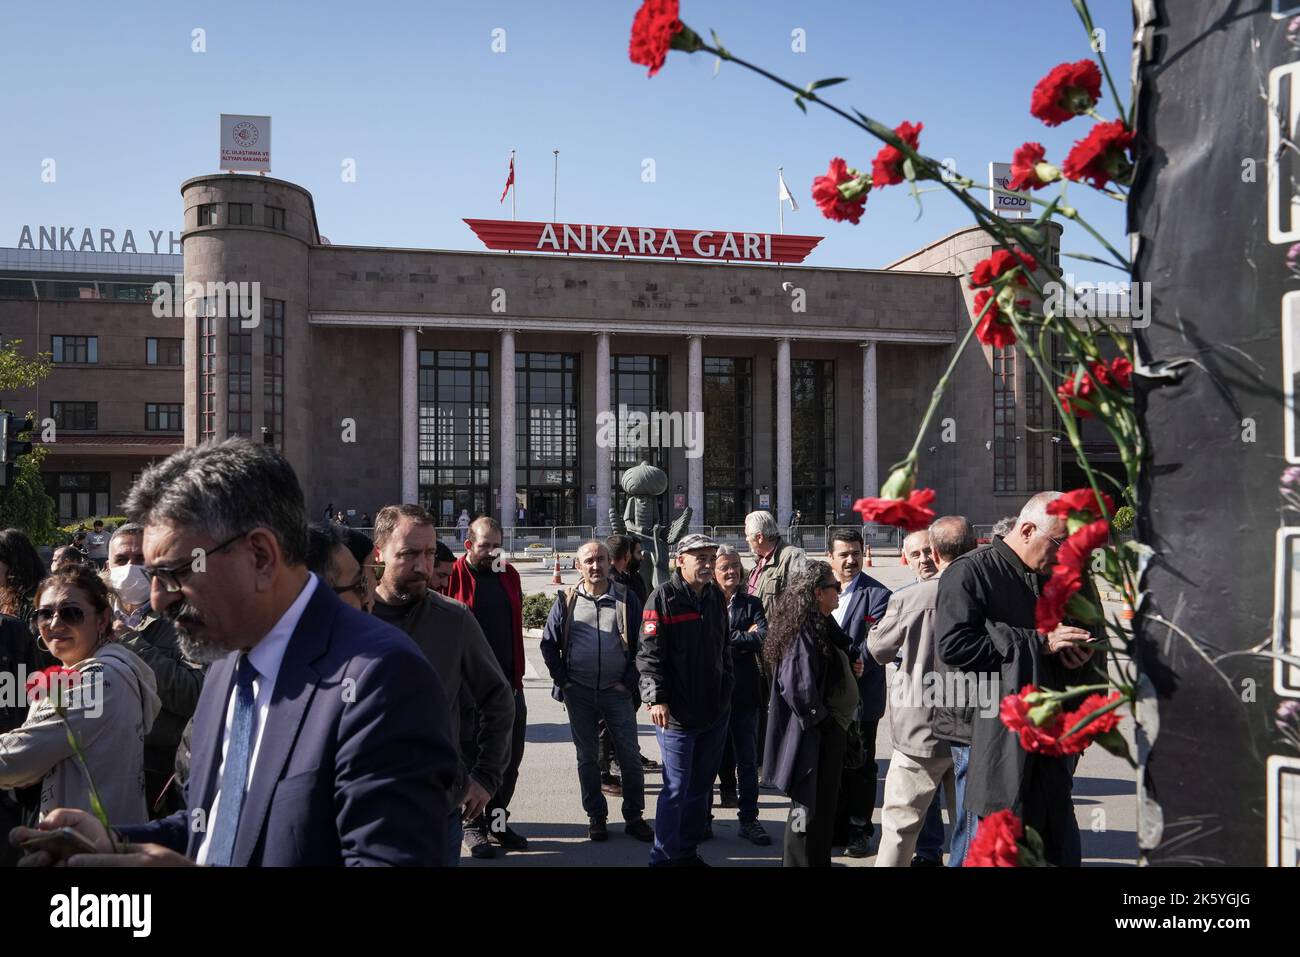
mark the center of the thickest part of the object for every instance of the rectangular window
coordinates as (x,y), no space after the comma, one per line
(273,371)
(163,416)
(207,376)
(75,416)
(82,349)
(78,494)
(1035,439)
(273,217)
(812,440)
(240,214)
(547,437)
(207,214)
(639,384)
(728,440)
(164,352)
(455,445)
(239,379)
(1004,419)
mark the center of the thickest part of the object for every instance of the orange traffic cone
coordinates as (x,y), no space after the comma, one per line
(868,564)
(1126,613)
(555,577)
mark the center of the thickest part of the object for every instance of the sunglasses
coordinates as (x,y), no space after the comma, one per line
(68,614)
(832,584)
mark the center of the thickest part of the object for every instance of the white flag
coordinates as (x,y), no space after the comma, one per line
(785,194)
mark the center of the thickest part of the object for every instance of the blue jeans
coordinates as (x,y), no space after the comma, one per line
(455,834)
(744,745)
(586,707)
(963,829)
(929,841)
(690,763)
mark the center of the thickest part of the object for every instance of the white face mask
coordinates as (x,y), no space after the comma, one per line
(131,583)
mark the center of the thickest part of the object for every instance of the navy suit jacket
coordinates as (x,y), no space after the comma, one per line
(866,606)
(356,760)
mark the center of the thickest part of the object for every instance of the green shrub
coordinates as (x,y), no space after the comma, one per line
(63,534)
(536,607)
(1124,518)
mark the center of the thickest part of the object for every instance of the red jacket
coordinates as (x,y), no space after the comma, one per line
(461,587)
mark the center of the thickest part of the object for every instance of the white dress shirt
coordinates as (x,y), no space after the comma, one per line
(843,606)
(265,658)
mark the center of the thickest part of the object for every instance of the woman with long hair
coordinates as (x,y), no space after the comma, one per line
(814,695)
(21,570)
(109,703)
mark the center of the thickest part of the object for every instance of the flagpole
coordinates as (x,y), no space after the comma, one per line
(780,203)
(555,195)
(513,188)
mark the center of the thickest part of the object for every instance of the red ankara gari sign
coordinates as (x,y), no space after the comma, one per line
(590,240)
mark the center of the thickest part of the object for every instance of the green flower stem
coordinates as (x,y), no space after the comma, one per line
(96,803)
(1081,7)
(1092,716)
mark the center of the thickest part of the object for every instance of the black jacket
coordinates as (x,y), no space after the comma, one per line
(684,655)
(635,583)
(746,648)
(179,684)
(984,625)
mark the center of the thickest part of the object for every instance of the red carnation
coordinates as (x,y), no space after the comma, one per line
(1101,156)
(1025,168)
(988,271)
(829,198)
(1014,714)
(910,514)
(994,329)
(1049,610)
(1078,742)
(1067,91)
(1076,551)
(1085,389)
(40,684)
(653,30)
(996,841)
(1080,500)
(1120,374)
(887,167)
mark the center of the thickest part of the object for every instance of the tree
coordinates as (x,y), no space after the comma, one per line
(26,505)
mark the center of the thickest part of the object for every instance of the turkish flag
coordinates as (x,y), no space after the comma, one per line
(510,180)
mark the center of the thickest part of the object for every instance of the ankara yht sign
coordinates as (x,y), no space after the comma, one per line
(723,245)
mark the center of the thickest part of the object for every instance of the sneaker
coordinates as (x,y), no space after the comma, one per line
(480,847)
(639,829)
(597,830)
(753,832)
(510,839)
(920,861)
(611,785)
(727,798)
(859,846)
(648,764)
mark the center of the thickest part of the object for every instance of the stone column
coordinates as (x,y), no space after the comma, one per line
(605,452)
(507,432)
(694,428)
(410,417)
(784,495)
(870,452)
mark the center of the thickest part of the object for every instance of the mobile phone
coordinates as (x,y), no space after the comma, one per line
(61,842)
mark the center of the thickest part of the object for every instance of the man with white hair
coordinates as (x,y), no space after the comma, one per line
(919,556)
(985,625)
(775,557)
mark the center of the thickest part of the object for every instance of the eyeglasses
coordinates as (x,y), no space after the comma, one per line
(68,614)
(171,576)
(1058,544)
(358,588)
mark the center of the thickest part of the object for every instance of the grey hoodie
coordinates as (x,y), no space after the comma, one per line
(110,719)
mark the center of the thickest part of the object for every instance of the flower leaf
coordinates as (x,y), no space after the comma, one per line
(798,101)
(818,84)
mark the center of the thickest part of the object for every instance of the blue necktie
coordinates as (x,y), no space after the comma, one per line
(234,773)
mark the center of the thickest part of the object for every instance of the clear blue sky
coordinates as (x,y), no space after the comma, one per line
(413,92)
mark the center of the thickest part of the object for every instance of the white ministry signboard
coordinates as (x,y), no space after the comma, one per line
(245,143)
(1000,176)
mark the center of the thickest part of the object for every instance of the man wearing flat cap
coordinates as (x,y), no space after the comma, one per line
(684,660)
